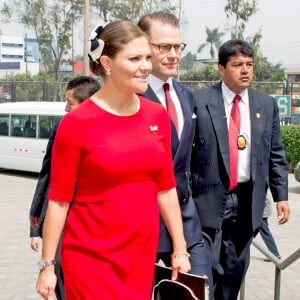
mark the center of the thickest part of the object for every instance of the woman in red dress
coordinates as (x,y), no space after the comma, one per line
(116,147)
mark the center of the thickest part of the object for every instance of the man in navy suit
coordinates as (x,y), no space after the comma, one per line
(166,46)
(233,118)
(78,89)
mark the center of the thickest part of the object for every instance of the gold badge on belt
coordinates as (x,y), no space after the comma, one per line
(241,142)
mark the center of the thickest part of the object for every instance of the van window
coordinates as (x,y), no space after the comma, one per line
(46,123)
(23,126)
(4,119)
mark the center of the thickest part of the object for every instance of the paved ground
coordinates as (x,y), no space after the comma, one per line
(261,274)
(18,270)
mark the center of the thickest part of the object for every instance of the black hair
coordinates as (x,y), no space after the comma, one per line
(233,47)
(83,87)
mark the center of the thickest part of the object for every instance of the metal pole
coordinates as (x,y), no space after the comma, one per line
(277,283)
(242,290)
(73,46)
(26,55)
(179,18)
(86,38)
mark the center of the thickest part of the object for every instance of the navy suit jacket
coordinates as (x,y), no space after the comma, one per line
(181,154)
(210,159)
(40,199)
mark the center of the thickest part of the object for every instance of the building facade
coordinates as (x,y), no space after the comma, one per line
(18,55)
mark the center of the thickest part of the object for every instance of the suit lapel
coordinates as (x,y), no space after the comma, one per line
(257,117)
(187,114)
(218,116)
(150,95)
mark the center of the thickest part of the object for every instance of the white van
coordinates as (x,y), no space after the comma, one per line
(24,131)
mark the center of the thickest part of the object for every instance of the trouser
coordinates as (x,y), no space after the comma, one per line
(227,285)
(60,288)
(268,237)
(229,247)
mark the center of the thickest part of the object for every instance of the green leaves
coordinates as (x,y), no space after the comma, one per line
(240,11)
(131,10)
(290,136)
(213,40)
(52,23)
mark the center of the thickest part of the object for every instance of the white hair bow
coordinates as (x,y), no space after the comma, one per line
(96,45)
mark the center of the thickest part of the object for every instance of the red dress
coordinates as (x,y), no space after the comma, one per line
(119,163)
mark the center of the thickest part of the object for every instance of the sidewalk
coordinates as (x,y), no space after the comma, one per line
(18,263)
(261,274)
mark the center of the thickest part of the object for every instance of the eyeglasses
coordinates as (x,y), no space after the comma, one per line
(165,48)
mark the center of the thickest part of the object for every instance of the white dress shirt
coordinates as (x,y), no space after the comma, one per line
(245,129)
(157,86)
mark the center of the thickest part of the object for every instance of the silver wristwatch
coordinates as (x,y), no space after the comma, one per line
(43,264)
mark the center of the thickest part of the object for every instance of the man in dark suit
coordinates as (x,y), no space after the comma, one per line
(78,89)
(237,154)
(166,46)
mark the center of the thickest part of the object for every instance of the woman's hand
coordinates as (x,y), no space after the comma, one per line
(180,262)
(46,283)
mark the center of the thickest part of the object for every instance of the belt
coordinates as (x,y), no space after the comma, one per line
(241,186)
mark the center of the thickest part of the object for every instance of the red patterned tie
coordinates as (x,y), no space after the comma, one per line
(170,106)
(234,131)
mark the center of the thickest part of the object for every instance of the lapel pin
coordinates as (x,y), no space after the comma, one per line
(257,115)
(153,128)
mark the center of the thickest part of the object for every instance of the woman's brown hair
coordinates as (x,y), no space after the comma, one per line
(115,35)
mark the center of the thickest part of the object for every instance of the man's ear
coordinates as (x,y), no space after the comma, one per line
(221,69)
(106,62)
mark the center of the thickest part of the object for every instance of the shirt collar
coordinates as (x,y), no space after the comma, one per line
(157,84)
(229,95)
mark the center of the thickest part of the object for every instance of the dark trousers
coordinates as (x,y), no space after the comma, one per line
(267,237)
(60,288)
(229,247)
(227,285)
(200,262)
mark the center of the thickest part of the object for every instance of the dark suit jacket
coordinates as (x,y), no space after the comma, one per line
(181,152)
(40,200)
(210,158)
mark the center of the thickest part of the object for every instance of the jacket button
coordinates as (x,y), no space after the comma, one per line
(202,140)
(186,173)
(217,182)
(184,200)
(208,161)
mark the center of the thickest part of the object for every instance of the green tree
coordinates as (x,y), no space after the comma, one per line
(131,10)
(103,8)
(52,22)
(213,40)
(290,136)
(263,69)
(208,73)
(28,87)
(240,12)
(187,61)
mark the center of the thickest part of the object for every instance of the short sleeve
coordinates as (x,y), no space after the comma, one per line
(65,159)
(166,179)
